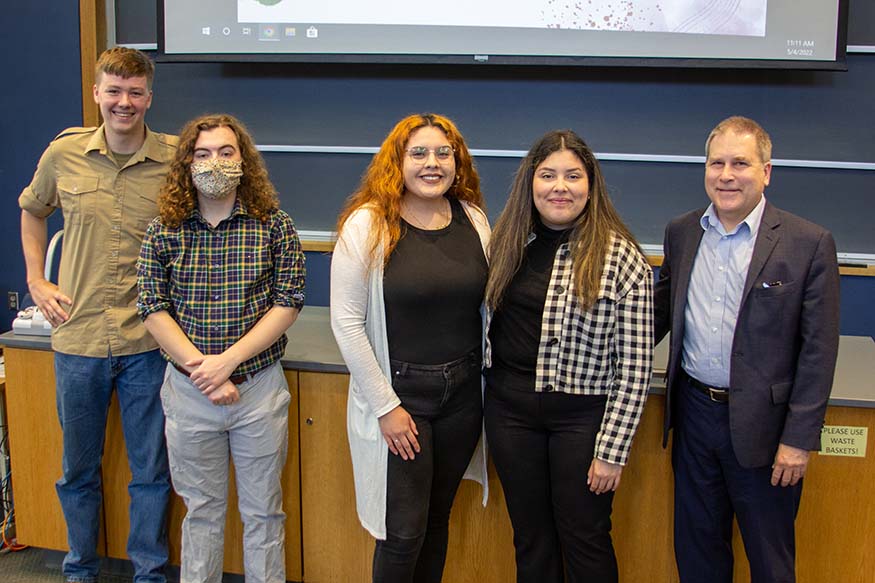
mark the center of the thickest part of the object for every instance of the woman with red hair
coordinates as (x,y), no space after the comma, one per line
(407,281)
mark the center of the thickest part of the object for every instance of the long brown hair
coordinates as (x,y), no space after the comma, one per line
(382,184)
(178,197)
(590,236)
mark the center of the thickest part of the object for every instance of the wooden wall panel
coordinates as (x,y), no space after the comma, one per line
(92,42)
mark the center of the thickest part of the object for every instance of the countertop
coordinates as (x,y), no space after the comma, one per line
(312,348)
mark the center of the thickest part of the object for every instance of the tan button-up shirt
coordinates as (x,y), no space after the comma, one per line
(106,212)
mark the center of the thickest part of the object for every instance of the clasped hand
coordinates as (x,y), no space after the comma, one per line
(211,377)
(211,371)
(226,394)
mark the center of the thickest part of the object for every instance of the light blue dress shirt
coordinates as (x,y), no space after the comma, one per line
(714,295)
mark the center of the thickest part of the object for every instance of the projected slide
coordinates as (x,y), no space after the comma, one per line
(504,31)
(725,17)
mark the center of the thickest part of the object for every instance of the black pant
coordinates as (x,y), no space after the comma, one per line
(542,446)
(710,487)
(446,405)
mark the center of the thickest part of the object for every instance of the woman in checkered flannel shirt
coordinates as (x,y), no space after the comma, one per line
(569,351)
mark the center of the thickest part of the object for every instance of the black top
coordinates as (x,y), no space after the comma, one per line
(515,330)
(433,287)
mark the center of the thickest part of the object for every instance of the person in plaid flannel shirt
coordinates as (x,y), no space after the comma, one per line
(221,279)
(569,357)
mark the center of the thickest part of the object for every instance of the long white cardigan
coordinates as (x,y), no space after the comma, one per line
(358,320)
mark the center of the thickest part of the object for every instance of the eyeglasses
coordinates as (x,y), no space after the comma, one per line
(420,153)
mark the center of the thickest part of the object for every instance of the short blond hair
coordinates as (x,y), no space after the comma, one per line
(125,63)
(743,125)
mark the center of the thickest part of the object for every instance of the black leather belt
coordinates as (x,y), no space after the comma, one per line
(716,394)
(237,379)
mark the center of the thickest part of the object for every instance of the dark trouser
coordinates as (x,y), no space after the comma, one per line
(542,446)
(445,403)
(711,487)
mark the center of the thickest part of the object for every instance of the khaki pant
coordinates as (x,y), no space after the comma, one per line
(200,436)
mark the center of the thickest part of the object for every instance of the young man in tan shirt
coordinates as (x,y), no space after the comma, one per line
(105,180)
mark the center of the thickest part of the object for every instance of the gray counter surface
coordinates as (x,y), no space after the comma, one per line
(312,348)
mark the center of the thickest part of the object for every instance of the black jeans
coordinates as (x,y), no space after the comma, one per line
(446,405)
(542,446)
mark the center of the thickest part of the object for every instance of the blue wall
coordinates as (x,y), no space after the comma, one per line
(815,115)
(41,96)
(858,305)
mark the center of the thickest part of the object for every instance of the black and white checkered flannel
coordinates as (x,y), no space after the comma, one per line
(607,350)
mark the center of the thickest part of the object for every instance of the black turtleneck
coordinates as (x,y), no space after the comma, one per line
(515,331)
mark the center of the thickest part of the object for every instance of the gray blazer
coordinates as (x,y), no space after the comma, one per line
(786,337)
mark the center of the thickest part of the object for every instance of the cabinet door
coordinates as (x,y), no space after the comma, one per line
(480,548)
(336,547)
(835,525)
(35,446)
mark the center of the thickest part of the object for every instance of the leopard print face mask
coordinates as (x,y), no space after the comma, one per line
(216,178)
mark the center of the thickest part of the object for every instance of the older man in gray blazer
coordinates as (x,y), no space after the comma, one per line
(751,295)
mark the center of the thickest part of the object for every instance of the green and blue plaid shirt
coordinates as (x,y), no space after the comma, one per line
(217,282)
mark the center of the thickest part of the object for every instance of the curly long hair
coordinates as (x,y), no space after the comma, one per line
(590,236)
(382,184)
(178,197)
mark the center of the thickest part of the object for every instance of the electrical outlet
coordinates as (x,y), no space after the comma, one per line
(12,299)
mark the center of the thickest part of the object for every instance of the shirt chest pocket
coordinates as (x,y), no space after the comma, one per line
(78,196)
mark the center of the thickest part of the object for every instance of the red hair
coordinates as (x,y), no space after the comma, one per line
(382,184)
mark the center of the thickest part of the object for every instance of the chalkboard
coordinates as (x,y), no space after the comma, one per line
(812,116)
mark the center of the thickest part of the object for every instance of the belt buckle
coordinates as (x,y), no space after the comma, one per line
(712,392)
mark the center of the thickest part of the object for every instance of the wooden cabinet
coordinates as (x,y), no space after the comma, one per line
(481,539)
(325,542)
(36,446)
(836,521)
(336,548)
(642,517)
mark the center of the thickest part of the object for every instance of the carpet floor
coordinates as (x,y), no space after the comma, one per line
(33,565)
